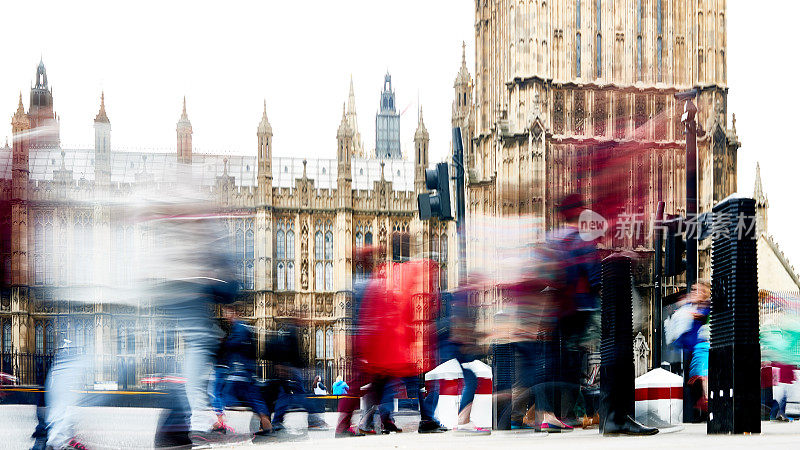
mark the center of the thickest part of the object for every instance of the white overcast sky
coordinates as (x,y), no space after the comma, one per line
(228,57)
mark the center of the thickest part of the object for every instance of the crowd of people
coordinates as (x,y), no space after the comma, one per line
(549,320)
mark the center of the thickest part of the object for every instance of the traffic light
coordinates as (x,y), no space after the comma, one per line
(674,247)
(436,203)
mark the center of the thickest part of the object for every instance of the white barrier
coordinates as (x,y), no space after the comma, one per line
(481,414)
(659,396)
(448,379)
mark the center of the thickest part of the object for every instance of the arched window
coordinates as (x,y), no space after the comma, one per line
(281,244)
(319,343)
(359,240)
(319,276)
(319,250)
(249,275)
(79,336)
(329,343)
(49,339)
(443,247)
(368,238)
(240,250)
(328,276)
(249,256)
(38,338)
(281,276)
(290,244)
(8,344)
(599,44)
(328,245)
(290,276)
(578,55)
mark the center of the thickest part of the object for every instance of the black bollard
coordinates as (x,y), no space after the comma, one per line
(734,383)
(616,344)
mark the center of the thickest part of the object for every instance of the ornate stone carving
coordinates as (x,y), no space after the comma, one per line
(558,112)
(304,274)
(600,113)
(579,111)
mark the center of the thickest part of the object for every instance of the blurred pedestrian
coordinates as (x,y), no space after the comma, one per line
(340,387)
(240,349)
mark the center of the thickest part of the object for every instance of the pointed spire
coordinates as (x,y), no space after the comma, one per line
(101,116)
(352,120)
(184,120)
(264,126)
(422,132)
(20,106)
(351,98)
(463,72)
(758,191)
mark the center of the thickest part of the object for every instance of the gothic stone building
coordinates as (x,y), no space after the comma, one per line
(296,226)
(556,79)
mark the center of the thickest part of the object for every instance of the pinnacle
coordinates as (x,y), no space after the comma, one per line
(101,115)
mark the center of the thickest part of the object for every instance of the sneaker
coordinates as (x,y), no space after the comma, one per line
(469,429)
(222,428)
(366,430)
(77,445)
(430,426)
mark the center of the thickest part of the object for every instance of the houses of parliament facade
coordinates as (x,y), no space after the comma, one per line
(555,80)
(295,225)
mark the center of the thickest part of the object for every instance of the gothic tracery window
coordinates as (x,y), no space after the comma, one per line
(244,237)
(284,254)
(323,253)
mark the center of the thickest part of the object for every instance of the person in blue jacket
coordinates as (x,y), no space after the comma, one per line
(340,387)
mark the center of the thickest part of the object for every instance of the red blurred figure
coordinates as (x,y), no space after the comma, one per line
(388,339)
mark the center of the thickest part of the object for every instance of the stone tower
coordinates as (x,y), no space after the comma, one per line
(387,124)
(42,116)
(265,158)
(102,145)
(421,140)
(184,130)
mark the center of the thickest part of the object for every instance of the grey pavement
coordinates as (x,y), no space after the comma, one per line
(133,428)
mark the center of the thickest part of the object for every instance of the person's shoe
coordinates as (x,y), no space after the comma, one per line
(222,429)
(430,426)
(389,427)
(317,424)
(173,440)
(559,427)
(629,427)
(350,432)
(77,445)
(366,430)
(469,429)
(520,426)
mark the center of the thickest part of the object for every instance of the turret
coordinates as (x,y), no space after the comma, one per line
(20,126)
(102,144)
(265,158)
(421,140)
(184,130)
